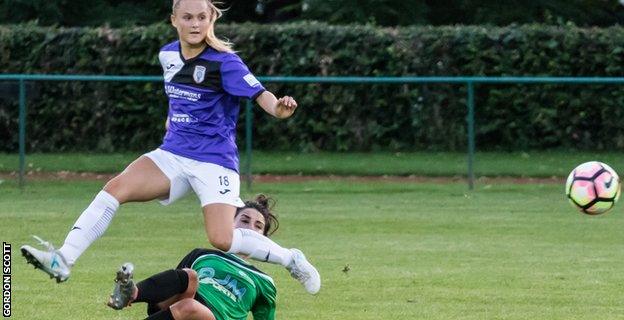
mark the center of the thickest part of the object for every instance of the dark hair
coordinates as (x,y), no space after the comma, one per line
(264,205)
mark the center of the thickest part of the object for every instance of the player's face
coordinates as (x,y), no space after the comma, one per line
(192,20)
(250,218)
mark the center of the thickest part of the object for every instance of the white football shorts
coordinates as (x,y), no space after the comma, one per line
(211,183)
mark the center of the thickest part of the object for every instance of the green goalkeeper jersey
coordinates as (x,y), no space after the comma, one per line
(232,288)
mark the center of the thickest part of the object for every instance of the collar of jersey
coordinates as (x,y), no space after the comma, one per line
(193,58)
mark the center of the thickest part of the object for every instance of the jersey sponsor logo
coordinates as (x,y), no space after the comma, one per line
(199,73)
(174,92)
(219,287)
(224,191)
(251,80)
(170,66)
(183,118)
(228,285)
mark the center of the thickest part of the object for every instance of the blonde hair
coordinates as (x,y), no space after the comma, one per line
(211,39)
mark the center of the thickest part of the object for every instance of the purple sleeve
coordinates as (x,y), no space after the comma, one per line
(238,81)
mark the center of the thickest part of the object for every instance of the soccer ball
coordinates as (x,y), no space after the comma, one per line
(593,187)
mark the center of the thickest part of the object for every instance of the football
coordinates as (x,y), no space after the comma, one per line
(593,187)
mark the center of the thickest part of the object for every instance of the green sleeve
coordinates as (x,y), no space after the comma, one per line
(264,311)
(264,307)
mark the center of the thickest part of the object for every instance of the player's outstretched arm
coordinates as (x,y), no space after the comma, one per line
(280,108)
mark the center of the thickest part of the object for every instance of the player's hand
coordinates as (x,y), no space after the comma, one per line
(285,107)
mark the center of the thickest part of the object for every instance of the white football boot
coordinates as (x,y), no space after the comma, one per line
(304,272)
(49,261)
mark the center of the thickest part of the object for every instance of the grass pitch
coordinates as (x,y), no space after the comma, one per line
(444,164)
(384,250)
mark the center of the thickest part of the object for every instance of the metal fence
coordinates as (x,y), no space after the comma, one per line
(470,83)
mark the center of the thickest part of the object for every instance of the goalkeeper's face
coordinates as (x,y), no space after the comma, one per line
(250,218)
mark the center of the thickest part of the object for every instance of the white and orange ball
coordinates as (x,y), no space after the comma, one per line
(593,187)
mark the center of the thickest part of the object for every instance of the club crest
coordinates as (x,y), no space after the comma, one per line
(199,74)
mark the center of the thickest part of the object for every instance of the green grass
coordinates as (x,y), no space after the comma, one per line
(415,251)
(528,164)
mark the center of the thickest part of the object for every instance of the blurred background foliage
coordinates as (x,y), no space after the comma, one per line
(117,13)
(97,116)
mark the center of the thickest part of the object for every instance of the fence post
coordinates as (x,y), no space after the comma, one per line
(248,137)
(471,134)
(22,131)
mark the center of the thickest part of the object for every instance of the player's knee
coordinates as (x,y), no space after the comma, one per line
(192,274)
(185,307)
(193,278)
(116,188)
(182,309)
(188,309)
(193,283)
(222,242)
(121,188)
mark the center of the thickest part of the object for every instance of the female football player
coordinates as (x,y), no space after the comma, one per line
(207,284)
(203,79)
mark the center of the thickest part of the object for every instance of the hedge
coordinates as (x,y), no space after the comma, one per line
(81,116)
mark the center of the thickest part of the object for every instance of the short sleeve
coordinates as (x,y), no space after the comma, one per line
(264,306)
(264,309)
(238,81)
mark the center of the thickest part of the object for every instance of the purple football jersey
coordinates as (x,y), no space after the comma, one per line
(204,95)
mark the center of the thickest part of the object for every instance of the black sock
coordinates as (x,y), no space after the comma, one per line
(162,286)
(161,315)
(152,308)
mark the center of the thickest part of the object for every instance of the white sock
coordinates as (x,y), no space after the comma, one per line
(259,247)
(90,226)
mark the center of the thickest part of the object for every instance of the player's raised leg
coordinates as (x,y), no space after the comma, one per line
(142,180)
(257,246)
